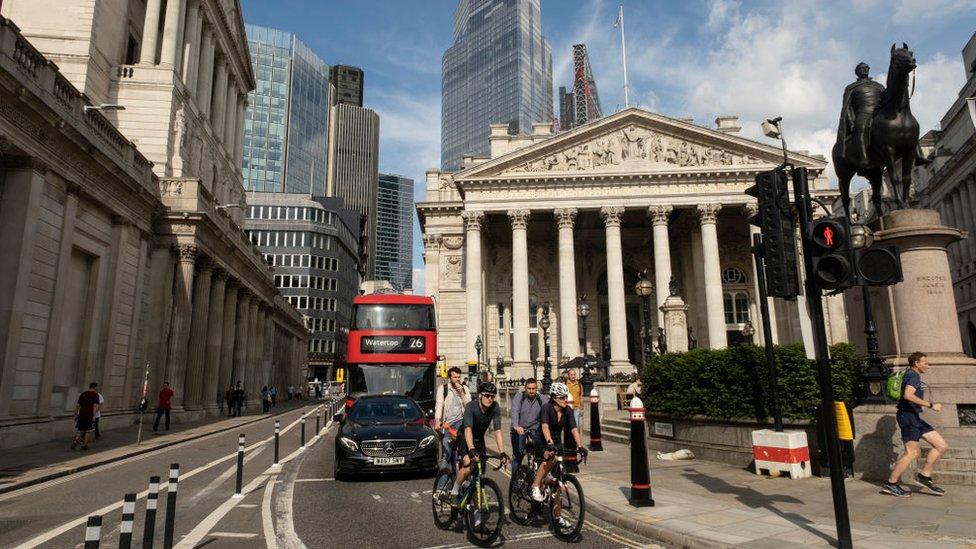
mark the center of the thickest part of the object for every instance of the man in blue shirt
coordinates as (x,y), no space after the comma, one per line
(913,428)
(526,411)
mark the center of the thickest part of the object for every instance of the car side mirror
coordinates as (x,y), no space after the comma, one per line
(337,418)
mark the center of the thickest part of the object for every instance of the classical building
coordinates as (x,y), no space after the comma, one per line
(498,71)
(394,231)
(549,219)
(126,224)
(948,185)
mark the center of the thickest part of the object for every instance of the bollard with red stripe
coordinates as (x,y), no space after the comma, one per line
(570,457)
(596,444)
(640,473)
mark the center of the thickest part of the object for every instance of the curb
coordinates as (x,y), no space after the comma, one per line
(63,473)
(650,530)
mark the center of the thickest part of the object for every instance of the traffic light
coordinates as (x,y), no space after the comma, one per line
(831,254)
(775,222)
(878,266)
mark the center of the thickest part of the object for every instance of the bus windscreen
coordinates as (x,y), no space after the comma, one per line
(393,317)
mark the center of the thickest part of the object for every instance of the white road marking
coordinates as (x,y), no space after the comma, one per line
(520,537)
(247,505)
(377,498)
(233,535)
(266,520)
(312,480)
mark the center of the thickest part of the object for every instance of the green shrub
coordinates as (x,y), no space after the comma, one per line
(734,383)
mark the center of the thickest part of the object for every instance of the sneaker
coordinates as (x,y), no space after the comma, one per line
(537,494)
(894,490)
(926,482)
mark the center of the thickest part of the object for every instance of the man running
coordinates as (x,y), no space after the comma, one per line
(556,418)
(478,416)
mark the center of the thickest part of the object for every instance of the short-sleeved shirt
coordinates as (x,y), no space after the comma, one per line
(479,421)
(86,405)
(914,379)
(550,417)
(165,399)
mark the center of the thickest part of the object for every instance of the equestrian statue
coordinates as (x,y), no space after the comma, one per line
(877,132)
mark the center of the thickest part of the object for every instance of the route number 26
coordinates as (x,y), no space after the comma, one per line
(416,343)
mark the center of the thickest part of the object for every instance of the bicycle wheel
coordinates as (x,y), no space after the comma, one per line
(483,519)
(444,513)
(521,507)
(573,510)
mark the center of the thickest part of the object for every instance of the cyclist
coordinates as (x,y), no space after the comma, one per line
(526,411)
(451,399)
(478,416)
(556,417)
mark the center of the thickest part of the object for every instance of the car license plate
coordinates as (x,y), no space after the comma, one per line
(388,461)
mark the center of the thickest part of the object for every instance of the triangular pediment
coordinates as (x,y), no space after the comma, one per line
(633,141)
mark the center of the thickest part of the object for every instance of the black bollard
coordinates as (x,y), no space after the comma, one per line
(640,474)
(570,457)
(93,532)
(277,430)
(303,431)
(169,524)
(240,466)
(152,500)
(596,443)
(128,516)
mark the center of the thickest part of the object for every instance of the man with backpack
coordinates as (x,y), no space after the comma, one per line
(913,428)
(449,405)
(525,414)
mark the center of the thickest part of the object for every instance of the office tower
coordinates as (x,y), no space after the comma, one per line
(567,118)
(585,97)
(498,71)
(394,231)
(348,82)
(286,124)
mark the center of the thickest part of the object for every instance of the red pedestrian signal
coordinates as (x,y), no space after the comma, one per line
(828,236)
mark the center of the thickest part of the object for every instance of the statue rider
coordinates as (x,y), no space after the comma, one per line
(861,98)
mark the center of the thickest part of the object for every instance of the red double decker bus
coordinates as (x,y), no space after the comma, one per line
(392,347)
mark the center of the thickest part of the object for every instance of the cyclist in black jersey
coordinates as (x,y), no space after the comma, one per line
(556,417)
(478,416)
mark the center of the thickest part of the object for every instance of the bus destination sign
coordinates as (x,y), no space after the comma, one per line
(392,344)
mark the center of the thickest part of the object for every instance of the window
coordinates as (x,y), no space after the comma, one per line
(733,275)
(736,306)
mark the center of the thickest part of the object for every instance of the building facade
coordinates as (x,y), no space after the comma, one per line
(948,185)
(550,220)
(348,82)
(286,123)
(567,115)
(353,172)
(498,71)
(312,244)
(394,231)
(129,260)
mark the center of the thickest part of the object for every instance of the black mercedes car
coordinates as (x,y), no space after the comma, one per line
(383,434)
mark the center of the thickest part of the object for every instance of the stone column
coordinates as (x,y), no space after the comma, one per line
(568,321)
(520,288)
(172,31)
(432,263)
(217,106)
(229,325)
(472,280)
(619,358)
(708,214)
(268,345)
(239,133)
(250,375)
(240,337)
(205,71)
(196,365)
(191,46)
(230,117)
(150,33)
(751,210)
(662,257)
(215,336)
(180,324)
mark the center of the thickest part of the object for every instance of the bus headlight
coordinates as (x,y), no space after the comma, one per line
(427,441)
(349,443)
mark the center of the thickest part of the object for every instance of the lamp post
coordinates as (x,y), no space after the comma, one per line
(876,371)
(546,367)
(500,365)
(478,345)
(747,332)
(644,288)
(583,311)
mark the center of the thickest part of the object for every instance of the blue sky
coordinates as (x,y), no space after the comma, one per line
(685,58)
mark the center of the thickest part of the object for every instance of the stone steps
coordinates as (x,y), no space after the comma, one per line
(956,467)
(616,430)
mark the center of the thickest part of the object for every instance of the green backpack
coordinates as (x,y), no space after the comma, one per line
(894,385)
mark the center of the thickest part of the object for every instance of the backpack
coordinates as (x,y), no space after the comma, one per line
(894,385)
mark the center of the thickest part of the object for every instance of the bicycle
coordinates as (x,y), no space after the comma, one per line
(566,511)
(481,503)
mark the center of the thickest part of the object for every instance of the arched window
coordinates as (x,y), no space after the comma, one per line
(733,275)
(736,308)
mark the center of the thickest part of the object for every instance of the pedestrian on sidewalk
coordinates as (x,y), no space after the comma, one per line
(575,389)
(239,397)
(913,427)
(98,414)
(525,415)
(230,396)
(85,410)
(265,399)
(449,404)
(163,405)
(274,395)
(291,392)
(635,388)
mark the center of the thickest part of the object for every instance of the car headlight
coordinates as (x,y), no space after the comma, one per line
(349,443)
(427,441)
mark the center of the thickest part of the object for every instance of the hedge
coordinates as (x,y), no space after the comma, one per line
(733,383)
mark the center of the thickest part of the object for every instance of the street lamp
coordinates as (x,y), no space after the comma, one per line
(644,288)
(747,332)
(546,367)
(583,311)
(103,107)
(876,371)
(477,348)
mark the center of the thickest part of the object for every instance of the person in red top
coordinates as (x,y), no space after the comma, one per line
(164,405)
(85,411)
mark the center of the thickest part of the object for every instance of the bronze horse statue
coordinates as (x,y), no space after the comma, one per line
(893,140)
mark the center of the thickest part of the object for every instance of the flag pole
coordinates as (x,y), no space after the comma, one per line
(144,403)
(623,52)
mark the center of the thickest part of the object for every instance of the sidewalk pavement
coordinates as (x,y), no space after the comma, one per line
(707,504)
(22,467)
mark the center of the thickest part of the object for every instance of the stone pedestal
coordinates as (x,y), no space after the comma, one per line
(675,324)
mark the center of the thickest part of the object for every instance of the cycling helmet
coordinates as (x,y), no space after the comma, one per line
(558,389)
(487,387)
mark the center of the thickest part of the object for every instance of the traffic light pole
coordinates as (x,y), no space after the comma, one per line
(757,251)
(827,417)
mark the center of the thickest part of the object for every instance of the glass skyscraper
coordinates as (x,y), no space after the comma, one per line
(286,124)
(394,231)
(499,71)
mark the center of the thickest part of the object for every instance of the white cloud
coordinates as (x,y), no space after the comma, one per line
(911,11)
(937,84)
(410,140)
(418,280)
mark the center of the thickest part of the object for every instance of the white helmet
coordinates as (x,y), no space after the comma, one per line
(558,389)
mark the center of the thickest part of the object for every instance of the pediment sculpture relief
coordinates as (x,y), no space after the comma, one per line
(634,146)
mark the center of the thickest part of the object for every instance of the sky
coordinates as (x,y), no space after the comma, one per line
(698,58)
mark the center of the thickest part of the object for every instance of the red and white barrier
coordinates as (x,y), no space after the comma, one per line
(781,452)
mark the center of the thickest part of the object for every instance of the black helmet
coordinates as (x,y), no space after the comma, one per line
(487,387)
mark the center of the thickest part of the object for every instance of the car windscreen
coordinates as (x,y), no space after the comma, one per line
(382,316)
(412,380)
(372,411)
